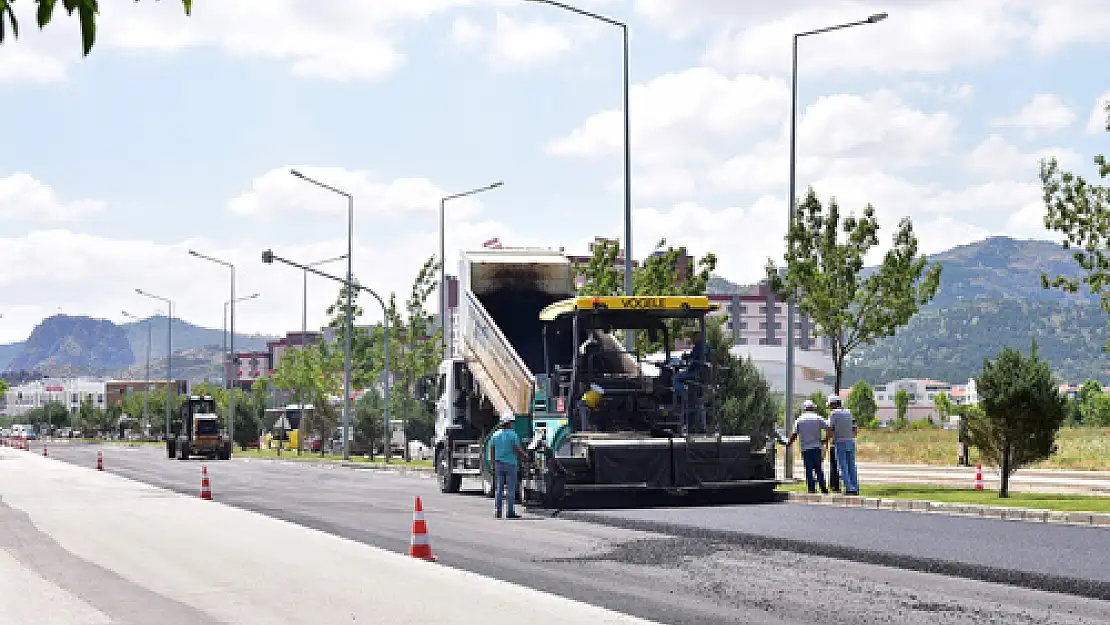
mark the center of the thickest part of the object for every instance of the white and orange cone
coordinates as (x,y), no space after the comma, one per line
(205,487)
(979,477)
(99,461)
(420,547)
(44,451)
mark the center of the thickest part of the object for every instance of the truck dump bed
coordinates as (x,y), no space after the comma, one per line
(500,334)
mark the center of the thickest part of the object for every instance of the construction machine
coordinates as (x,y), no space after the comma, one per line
(198,432)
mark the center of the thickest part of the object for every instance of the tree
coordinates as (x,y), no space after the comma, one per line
(850,306)
(3,387)
(944,406)
(1022,411)
(1080,211)
(87,11)
(742,400)
(861,402)
(901,407)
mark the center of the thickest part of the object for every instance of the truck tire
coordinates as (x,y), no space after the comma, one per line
(183,451)
(225,452)
(448,482)
(171,449)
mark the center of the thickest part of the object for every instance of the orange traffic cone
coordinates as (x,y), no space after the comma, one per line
(979,477)
(99,461)
(205,488)
(419,547)
(44,451)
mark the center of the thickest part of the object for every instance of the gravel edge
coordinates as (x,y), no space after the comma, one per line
(958,509)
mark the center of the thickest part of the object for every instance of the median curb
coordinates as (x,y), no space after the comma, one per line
(956,509)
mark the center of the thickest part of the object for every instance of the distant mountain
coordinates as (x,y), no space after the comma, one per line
(7,352)
(68,341)
(185,336)
(1004,268)
(197,364)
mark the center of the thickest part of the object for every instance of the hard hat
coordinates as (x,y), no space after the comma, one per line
(508,419)
(809,405)
(592,399)
(834,399)
(597,389)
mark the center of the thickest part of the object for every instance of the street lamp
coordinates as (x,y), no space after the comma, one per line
(788,461)
(146,385)
(304,332)
(443,261)
(629,336)
(231,401)
(350,322)
(169,351)
(228,359)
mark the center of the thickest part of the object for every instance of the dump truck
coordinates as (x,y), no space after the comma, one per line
(526,346)
(197,432)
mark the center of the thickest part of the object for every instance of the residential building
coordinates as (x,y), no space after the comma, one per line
(116,390)
(69,392)
(922,393)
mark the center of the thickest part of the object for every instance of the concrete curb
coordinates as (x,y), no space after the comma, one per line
(957,509)
(360,466)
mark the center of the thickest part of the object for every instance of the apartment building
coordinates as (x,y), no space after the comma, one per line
(69,392)
(922,393)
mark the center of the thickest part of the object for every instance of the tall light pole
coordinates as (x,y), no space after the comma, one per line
(268,257)
(169,352)
(231,401)
(226,354)
(304,332)
(630,341)
(350,322)
(788,461)
(146,383)
(443,261)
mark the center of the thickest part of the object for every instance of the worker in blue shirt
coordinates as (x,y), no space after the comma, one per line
(505,449)
(696,358)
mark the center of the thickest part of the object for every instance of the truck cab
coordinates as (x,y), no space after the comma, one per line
(198,432)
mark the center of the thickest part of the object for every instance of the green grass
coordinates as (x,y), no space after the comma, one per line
(292,456)
(1037,501)
(1079,448)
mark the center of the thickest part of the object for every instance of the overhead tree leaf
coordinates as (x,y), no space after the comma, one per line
(45,12)
(87,13)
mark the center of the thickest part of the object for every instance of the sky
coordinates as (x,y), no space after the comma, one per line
(178,133)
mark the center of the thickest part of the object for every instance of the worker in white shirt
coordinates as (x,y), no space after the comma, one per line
(812,429)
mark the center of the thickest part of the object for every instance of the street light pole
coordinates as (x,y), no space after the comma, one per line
(304,332)
(169,352)
(226,355)
(443,261)
(146,381)
(788,461)
(629,340)
(231,400)
(268,257)
(350,322)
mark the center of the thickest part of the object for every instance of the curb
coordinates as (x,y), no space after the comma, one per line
(359,466)
(958,509)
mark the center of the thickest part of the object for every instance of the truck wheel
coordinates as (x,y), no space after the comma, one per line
(555,493)
(448,482)
(183,451)
(171,449)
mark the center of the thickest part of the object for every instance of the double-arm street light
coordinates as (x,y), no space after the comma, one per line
(443,261)
(169,352)
(268,257)
(231,401)
(304,334)
(788,461)
(229,358)
(146,385)
(629,338)
(350,322)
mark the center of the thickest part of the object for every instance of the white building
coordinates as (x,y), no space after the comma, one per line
(922,394)
(69,392)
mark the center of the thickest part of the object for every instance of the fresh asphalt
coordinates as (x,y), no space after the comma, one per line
(698,564)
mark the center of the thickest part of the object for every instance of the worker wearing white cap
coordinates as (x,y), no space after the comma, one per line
(505,447)
(842,433)
(811,427)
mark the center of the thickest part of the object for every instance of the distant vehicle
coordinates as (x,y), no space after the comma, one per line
(198,432)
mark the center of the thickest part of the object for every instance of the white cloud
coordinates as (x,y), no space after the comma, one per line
(279,193)
(952,93)
(24,198)
(466,33)
(995,158)
(1100,114)
(1046,112)
(1063,22)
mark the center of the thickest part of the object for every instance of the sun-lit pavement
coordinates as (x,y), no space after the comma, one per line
(665,578)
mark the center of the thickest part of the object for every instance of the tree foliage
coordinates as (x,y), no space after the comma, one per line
(861,402)
(742,400)
(825,273)
(1022,410)
(901,408)
(1080,211)
(87,12)
(943,404)
(3,387)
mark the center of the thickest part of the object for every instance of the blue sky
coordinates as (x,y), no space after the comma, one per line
(177,132)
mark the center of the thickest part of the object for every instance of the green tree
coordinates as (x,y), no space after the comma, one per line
(861,403)
(825,273)
(3,387)
(943,405)
(1088,403)
(1098,413)
(901,408)
(742,400)
(1080,211)
(87,11)
(1023,410)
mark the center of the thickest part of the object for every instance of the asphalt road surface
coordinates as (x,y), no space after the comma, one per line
(664,577)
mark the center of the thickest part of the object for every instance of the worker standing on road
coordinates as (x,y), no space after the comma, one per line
(505,447)
(842,433)
(811,427)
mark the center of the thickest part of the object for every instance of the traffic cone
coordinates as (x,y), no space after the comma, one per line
(205,488)
(979,477)
(99,461)
(419,547)
(44,451)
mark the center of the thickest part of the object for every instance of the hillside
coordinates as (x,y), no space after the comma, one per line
(186,336)
(68,341)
